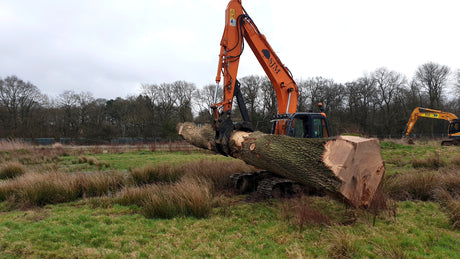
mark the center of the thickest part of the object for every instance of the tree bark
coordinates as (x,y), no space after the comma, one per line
(347,167)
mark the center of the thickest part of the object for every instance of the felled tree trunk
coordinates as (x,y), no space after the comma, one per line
(349,168)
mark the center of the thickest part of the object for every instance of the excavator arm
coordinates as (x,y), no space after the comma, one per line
(239,27)
(427,113)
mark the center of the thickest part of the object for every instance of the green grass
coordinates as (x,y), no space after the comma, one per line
(240,230)
(135,159)
(401,158)
(100,227)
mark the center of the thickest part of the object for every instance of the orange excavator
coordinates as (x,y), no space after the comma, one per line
(454,123)
(239,27)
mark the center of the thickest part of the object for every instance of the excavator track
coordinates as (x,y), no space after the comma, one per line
(265,185)
(450,142)
(245,182)
(276,187)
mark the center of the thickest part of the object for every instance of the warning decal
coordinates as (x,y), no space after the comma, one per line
(232,17)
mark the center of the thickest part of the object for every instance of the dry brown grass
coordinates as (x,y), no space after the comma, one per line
(28,155)
(10,170)
(9,145)
(382,204)
(191,196)
(299,213)
(218,172)
(455,161)
(451,205)
(188,197)
(98,183)
(415,185)
(93,161)
(433,161)
(342,244)
(422,185)
(161,173)
(36,189)
(134,195)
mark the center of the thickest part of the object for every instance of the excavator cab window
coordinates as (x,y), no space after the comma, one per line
(318,128)
(301,128)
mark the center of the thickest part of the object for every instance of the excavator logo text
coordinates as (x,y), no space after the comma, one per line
(272,63)
(429,115)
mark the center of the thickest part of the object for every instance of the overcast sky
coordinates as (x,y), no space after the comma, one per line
(111,47)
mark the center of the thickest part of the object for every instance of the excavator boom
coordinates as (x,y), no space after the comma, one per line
(239,27)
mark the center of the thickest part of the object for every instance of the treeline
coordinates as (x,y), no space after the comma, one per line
(376,104)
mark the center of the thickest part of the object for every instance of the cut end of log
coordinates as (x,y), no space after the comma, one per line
(200,137)
(358,163)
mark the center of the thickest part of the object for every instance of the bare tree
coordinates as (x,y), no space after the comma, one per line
(433,78)
(169,103)
(361,97)
(183,92)
(269,102)
(388,85)
(313,91)
(75,107)
(457,82)
(151,91)
(19,98)
(204,98)
(250,88)
(334,102)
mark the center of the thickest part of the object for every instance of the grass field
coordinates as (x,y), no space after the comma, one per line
(96,203)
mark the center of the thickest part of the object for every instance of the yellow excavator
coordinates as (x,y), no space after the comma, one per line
(454,123)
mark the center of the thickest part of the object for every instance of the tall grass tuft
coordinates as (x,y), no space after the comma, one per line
(422,185)
(162,173)
(8,190)
(93,161)
(35,189)
(135,195)
(11,170)
(9,145)
(342,244)
(451,206)
(450,182)
(413,185)
(188,197)
(98,183)
(455,161)
(40,189)
(434,161)
(218,172)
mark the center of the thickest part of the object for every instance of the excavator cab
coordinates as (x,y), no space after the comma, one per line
(308,125)
(303,125)
(454,128)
